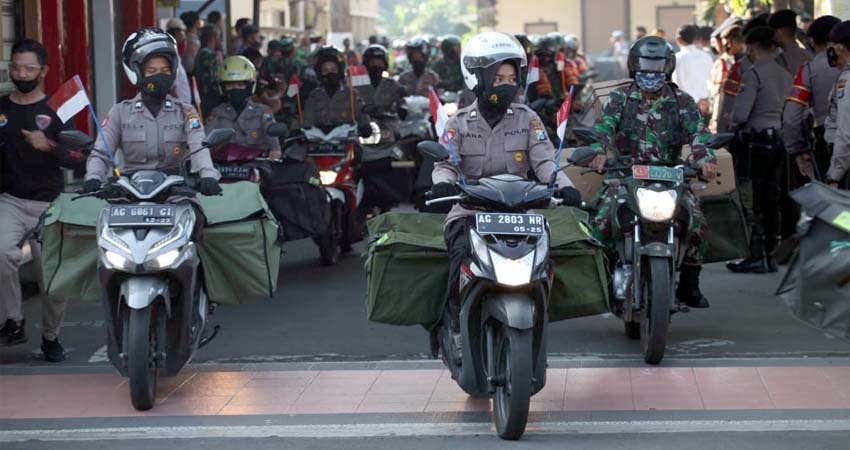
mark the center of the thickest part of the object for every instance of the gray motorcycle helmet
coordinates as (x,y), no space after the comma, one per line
(143,44)
(652,54)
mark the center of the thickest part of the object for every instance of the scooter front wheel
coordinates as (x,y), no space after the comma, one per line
(141,361)
(513,391)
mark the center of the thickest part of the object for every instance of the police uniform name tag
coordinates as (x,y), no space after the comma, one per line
(500,223)
(658,173)
(141,216)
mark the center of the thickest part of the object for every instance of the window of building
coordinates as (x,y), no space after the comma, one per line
(281,19)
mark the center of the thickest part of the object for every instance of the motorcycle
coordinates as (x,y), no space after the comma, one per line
(649,221)
(384,168)
(149,268)
(336,153)
(243,163)
(504,285)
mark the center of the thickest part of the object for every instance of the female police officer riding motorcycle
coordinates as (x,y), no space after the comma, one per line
(492,136)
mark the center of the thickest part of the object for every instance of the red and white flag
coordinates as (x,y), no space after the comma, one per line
(564,114)
(560,62)
(533,71)
(359,75)
(69,99)
(438,113)
(294,86)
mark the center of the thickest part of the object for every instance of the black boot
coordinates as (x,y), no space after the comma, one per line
(757,262)
(688,290)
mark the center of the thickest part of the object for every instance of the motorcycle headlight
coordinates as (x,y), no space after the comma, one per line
(513,272)
(541,250)
(165,260)
(656,206)
(327,177)
(117,261)
(479,246)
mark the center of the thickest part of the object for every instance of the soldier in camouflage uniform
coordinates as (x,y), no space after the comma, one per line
(448,66)
(207,68)
(650,120)
(277,70)
(420,78)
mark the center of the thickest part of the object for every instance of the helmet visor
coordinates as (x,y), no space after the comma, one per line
(651,64)
(482,61)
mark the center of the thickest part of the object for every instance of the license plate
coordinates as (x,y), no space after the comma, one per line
(658,173)
(328,149)
(141,216)
(498,223)
(234,172)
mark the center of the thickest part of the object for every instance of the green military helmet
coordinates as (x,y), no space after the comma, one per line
(652,54)
(235,69)
(287,44)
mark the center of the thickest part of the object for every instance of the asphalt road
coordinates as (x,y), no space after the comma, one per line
(319,314)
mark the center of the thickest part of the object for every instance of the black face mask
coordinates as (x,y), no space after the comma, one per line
(418,67)
(499,98)
(331,82)
(714,51)
(375,74)
(157,86)
(26,86)
(238,97)
(832,57)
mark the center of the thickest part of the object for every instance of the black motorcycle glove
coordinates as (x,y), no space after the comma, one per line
(441,190)
(402,113)
(209,186)
(364,130)
(571,196)
(90,186)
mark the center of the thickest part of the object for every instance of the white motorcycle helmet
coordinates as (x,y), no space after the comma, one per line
(485,50)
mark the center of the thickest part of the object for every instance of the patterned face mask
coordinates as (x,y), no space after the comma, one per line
(650,81)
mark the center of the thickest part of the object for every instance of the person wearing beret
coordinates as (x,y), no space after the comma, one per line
(793,53)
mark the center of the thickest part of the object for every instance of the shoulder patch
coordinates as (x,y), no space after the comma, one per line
(194,121)
(268,117)
(104,121)
(3,120)
(448,135)
(840,88)
(43,121)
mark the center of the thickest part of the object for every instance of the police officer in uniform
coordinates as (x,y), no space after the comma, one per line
(153,130)
(329,105)
(490,137)
(793,53)
(736,48)
(806,104)
(249,118)
(838,117)
(417,80)
(757,116)
(651,120)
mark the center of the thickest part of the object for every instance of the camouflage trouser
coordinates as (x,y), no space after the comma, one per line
(694,253)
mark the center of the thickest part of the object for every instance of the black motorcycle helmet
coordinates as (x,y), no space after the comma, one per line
(546,45)
(143,44)
(418,44)
(526,44)
(449,42)
(328,53)
(376,51)
(652,54)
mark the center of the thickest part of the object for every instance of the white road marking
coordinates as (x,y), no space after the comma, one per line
(421,430)
(99,356)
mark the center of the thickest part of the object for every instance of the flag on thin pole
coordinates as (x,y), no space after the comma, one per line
(359,75)
(440,120)
(564,114)
(294,90)
(561,62)
(533,71)
(69,99)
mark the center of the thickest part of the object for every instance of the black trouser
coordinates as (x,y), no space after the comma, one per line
(760,160)
(457,242)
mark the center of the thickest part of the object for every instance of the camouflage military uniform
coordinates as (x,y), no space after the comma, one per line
(451,76)
(653,132)
(276,72)
(419,85)
(207,67)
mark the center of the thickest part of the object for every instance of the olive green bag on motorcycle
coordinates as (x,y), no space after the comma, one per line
(407,266)
(239,252)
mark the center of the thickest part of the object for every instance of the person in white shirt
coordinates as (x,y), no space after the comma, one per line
(693,65)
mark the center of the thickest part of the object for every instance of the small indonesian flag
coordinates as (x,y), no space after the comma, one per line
(533,71)
(438,113)
(359,75)
(561,62)
(564,114)
(294,86)
(69,99)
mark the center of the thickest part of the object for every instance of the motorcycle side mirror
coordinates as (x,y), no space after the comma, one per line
(277,129)
(218,137)
(586,135)
(582,156)
(433,149)
(720,140)
(75,139)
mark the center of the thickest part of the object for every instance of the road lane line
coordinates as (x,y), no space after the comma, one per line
(421,429)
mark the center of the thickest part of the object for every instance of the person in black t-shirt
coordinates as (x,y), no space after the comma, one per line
(31,160)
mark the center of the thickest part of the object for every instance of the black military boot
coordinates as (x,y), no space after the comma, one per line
(688,289)
(757,262)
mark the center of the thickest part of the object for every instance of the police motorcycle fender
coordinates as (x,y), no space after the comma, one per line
(243,163)
(504,285)
(150,273)
(648,219)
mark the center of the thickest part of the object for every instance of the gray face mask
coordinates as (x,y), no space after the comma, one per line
(650,81)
